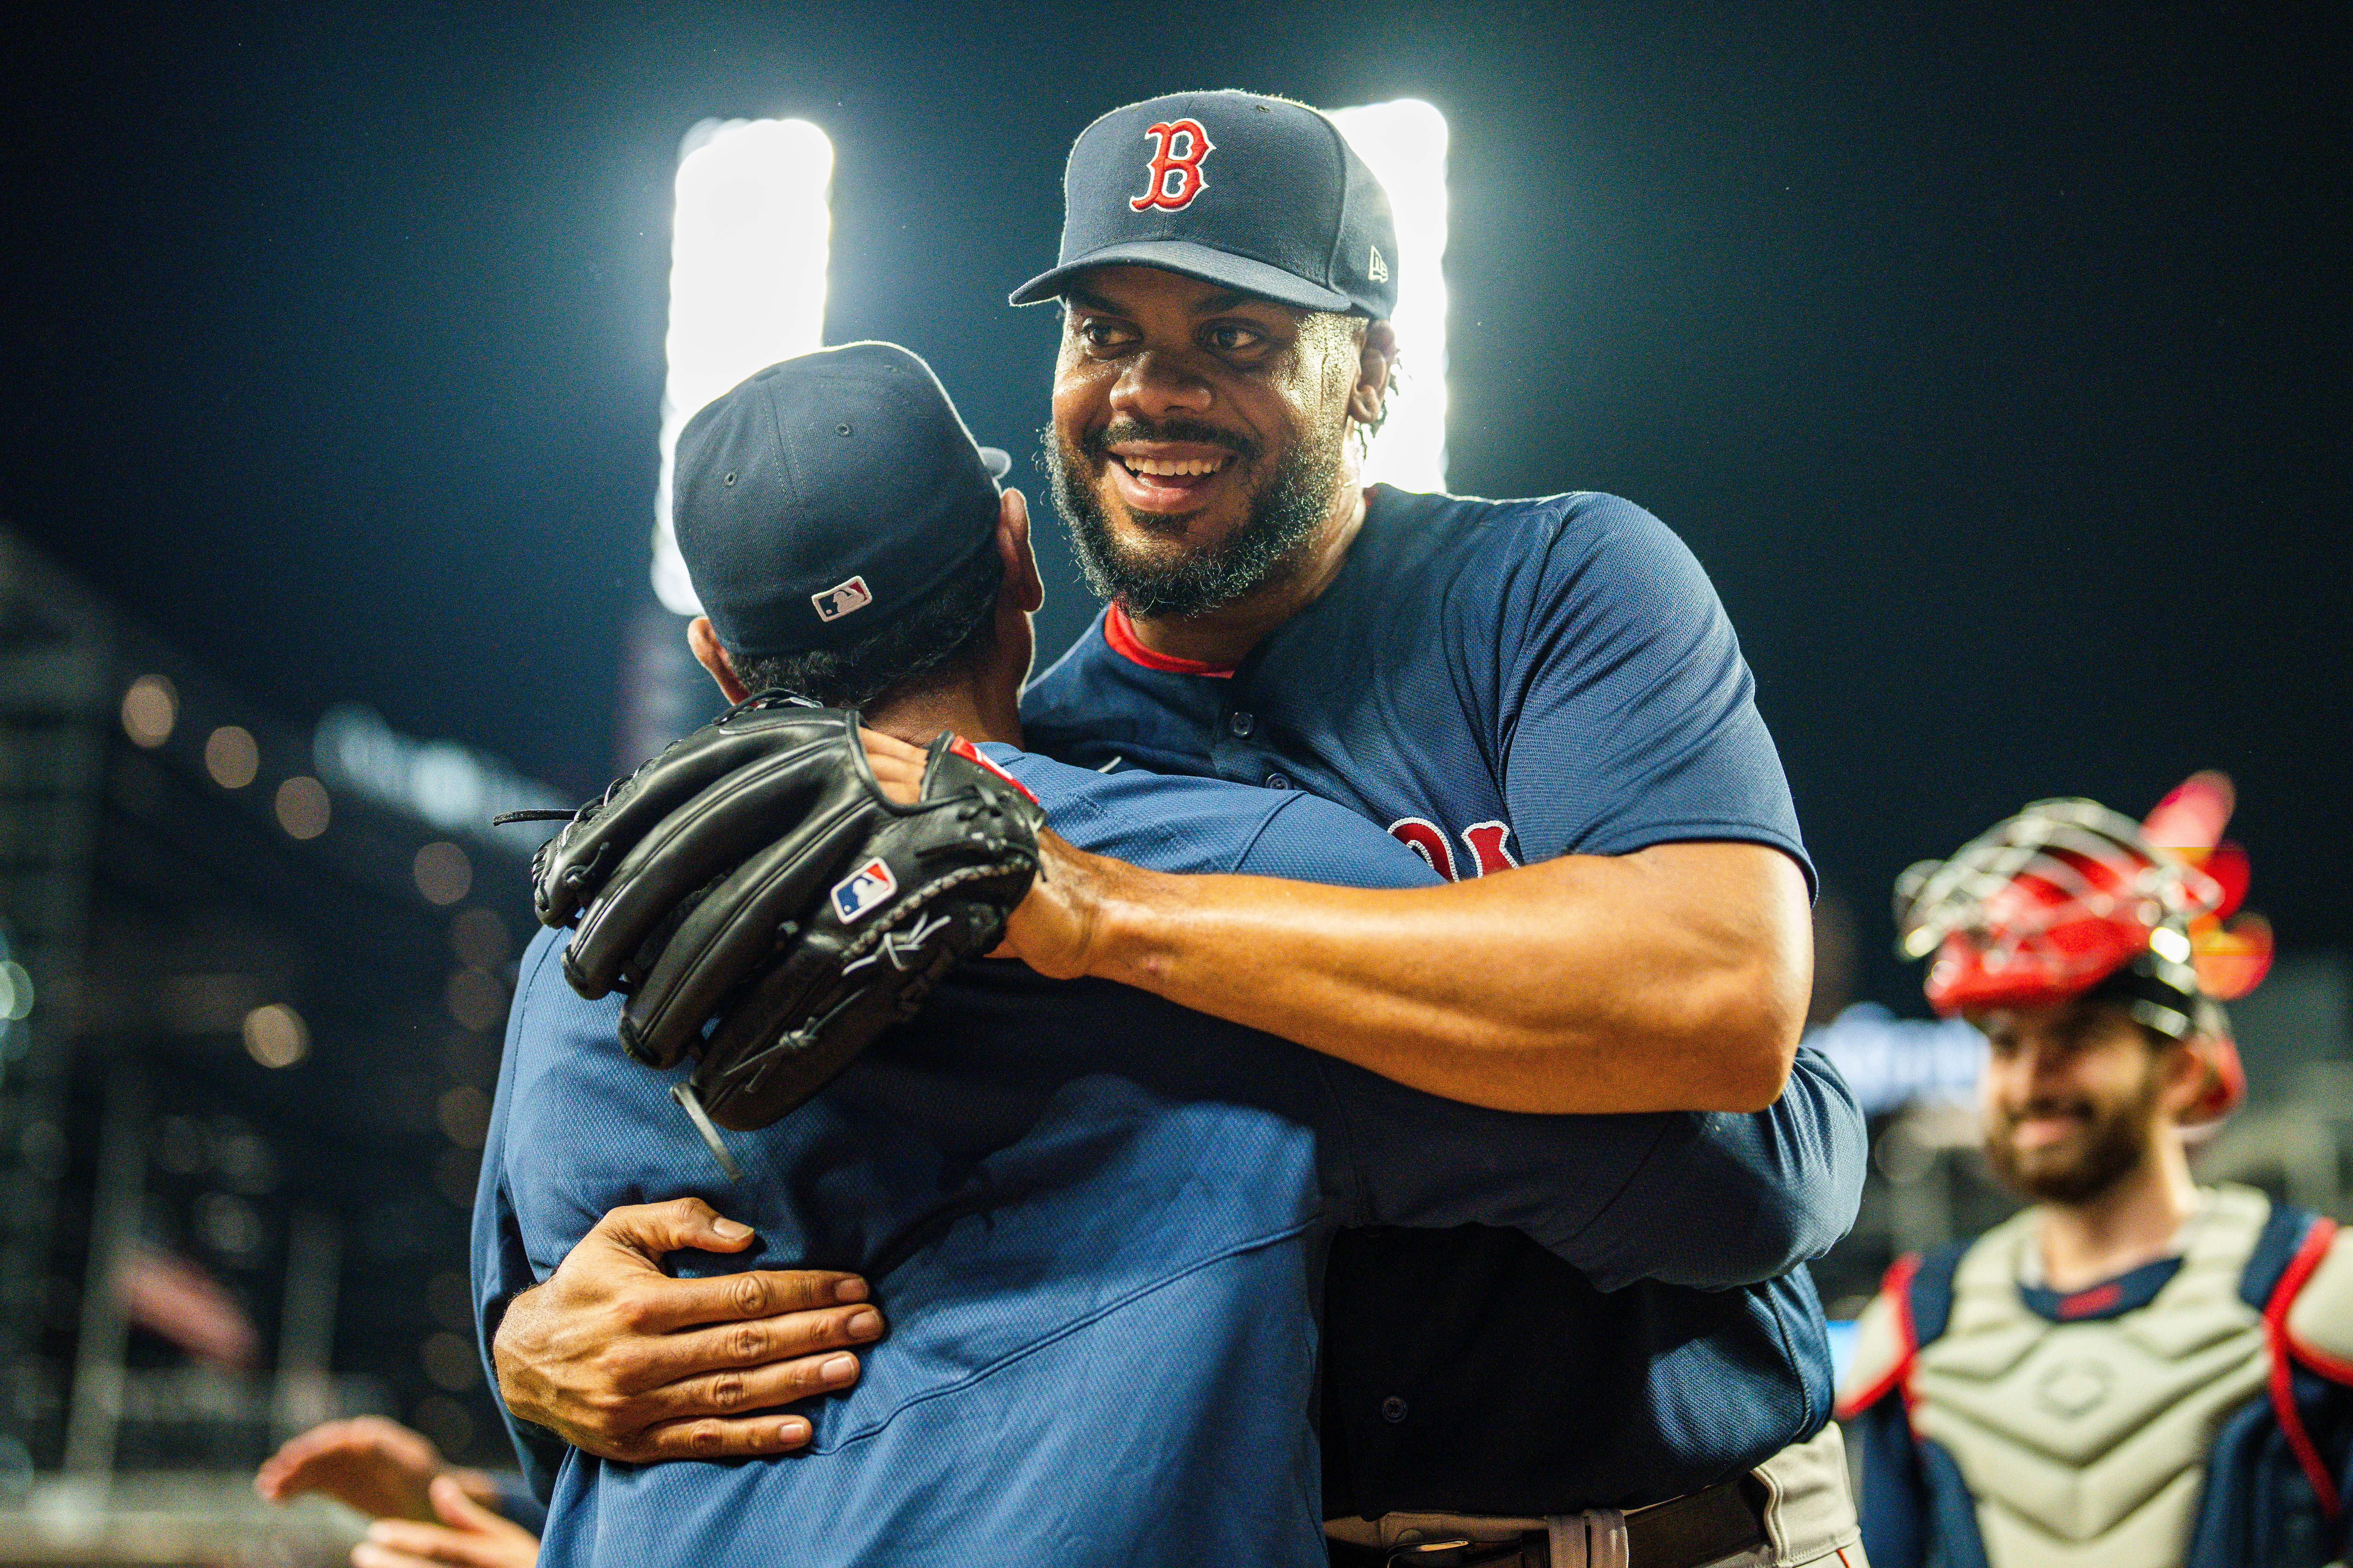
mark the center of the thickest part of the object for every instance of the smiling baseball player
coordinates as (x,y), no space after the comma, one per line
(1544,700)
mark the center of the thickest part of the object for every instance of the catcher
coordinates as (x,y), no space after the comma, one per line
(2137,1370)
(1100,1218)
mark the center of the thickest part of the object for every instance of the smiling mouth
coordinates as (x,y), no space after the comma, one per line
(1169,484)
(1173,468)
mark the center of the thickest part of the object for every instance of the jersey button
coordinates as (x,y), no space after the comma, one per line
(1240,723)
(1393,1410)
(1277,781)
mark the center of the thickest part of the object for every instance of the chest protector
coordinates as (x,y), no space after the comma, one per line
(2087,1442)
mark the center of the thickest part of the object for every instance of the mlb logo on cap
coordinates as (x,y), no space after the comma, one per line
(841,598)
(863,891)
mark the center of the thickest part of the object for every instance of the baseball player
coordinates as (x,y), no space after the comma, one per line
(1100,1216)
(1543,700)
(2137,1369)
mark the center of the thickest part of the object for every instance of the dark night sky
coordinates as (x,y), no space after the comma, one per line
(1994,360)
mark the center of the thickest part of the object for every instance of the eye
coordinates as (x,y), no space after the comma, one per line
(1101,336)
(1233,337)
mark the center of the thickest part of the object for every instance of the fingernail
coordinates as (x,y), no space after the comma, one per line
(793,1430)
(850,1290)
(838,1368)
(864,1325)
(731,1230)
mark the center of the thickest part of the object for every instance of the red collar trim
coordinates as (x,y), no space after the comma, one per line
(1120,632)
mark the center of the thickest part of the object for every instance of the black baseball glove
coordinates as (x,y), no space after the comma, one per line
(766,908)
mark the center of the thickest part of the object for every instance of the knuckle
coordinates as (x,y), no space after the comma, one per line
(635,1308)
(748,1344)
(705,1437)
(727,1390)
(750,1294)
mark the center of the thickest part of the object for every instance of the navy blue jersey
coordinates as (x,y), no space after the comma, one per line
(1492,682)
(1097,1222)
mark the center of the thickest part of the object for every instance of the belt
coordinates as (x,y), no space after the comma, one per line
(1700,1528)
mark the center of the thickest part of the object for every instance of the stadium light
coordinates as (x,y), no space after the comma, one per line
(1404,144)
(748,248)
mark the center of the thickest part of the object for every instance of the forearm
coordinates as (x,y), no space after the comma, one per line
(1653,981)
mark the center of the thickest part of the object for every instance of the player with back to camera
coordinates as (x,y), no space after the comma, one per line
(2136,1370)
(1099,1217)
(1543,699)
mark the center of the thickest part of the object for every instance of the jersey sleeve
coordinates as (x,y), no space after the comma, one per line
(1308,839)
(1631,715)
(502,1270)
(1731,1198)
(1708,1200)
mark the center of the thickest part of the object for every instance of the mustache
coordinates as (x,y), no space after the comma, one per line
(2048,1107)
(1098,443)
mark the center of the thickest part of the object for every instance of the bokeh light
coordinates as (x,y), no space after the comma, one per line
(275,1035)
(149,708)
(443,873)
(302,809)
(231,756)
(480,939)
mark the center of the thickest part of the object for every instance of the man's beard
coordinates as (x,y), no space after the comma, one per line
(1285,510)
(2113,1142)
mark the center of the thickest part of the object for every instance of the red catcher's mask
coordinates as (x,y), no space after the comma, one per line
(2068,895)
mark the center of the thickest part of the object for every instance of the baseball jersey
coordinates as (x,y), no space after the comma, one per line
(1495,682)
(1097,1224)
(2195,1412)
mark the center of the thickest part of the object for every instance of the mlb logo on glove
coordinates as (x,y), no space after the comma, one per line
(863,891)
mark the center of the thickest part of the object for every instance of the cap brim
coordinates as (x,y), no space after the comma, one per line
(1192,260)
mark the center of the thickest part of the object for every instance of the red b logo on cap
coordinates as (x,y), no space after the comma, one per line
(1176,176)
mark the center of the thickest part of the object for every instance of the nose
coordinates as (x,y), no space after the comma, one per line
(1153,385)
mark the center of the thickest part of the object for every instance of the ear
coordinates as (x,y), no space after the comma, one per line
(1013,547)
(1373,361)
(2182,1075)
(714,658)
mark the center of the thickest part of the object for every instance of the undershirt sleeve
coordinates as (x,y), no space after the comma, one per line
(1631,717)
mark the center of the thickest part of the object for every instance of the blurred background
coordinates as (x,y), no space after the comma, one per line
(1993,359)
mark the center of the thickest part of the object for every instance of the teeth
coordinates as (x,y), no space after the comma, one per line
(1162,467)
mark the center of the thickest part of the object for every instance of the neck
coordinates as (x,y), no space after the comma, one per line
(1224,635)
(973,706)
(2131,1223)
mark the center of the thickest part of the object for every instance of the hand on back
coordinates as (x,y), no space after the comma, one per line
(617,1358)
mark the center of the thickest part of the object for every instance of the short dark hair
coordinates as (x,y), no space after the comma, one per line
(953,629)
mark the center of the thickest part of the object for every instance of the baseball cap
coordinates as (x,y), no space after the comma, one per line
(1259,194)
(822,496)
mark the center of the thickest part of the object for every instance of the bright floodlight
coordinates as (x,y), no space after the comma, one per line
(1404,144)
(746,281)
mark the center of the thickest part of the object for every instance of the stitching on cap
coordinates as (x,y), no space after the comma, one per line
(1340,217)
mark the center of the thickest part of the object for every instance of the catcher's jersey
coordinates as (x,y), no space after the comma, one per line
(1097,1222)
(1494,682)
(2192,1413)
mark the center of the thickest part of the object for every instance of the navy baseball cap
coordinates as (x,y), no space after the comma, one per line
(820,497)
(1259,194)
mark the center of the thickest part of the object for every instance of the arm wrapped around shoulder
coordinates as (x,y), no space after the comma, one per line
(1732,1198)
(767,909)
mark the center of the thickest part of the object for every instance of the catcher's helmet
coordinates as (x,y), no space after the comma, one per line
(2068,897)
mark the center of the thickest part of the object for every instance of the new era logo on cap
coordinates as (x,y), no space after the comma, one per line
(841,599)
(863,891)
